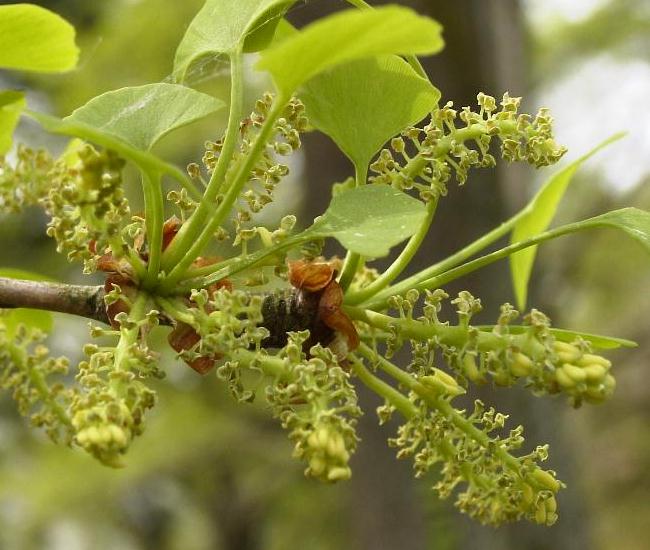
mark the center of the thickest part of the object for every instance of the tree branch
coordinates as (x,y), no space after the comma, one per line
(81,300)
(294,310)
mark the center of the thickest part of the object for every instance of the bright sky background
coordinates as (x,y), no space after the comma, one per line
(601,96)
(571,10)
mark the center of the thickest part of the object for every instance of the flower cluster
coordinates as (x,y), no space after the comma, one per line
(108,410)
(315,401)
(498,486)
(27,181)
(504,353)
(215,326)
(105,411)
(441,148)
(26,369)
(87,205)
(267,172)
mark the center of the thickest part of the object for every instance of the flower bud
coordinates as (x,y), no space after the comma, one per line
(339,474)
(545,479)
(564,379)
(527,494)
(471,370)
(566,353)
(441,383)
(577,374)
(595,373)
(591,359)
(521,365)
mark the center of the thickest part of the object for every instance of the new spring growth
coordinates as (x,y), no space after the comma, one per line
(442,149)
(316,403)
(530,353)
(81,192)
(108,411)
(24,182)
(87,204)
(492,484)
(267,172)
(34,378)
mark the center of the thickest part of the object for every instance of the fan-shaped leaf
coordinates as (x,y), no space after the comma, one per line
(222,26)
(369,220)
(142,115)
(35,39)
(362,104)
(11,105)
(347,36)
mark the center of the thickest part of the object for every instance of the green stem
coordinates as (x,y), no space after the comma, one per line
(270,364)
(226,205)
(478,263)
(381,388)
(453,260)
(139,267)
(440,404)
(128,337)
(154,220)
(400,263)
(353,261)
(448,263)
(175,309)
(236,265)
(454,336)
(191,230)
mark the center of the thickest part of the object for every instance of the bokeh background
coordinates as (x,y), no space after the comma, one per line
(209,474)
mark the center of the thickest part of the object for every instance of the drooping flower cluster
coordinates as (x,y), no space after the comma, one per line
(108,410)
(267,172)
(495,487)
(441,148)
(315,401)
(28,371)
(105,410)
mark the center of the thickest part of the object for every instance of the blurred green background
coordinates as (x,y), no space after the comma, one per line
(209,474)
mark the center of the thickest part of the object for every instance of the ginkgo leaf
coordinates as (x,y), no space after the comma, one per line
(12,104)
(347,36)
(142,115)
(369,220)
(35,39)
(223,26)
(364,103)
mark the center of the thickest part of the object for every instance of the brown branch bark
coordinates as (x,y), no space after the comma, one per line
(81,300)
(293,311)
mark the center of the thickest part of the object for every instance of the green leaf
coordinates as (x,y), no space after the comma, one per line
(364,103)
(596,340)
(539,213)
(633,221)
(347,36)
(224,26)
(11,105)
(369,220)
(34,318)
(142,115)
(35,39)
